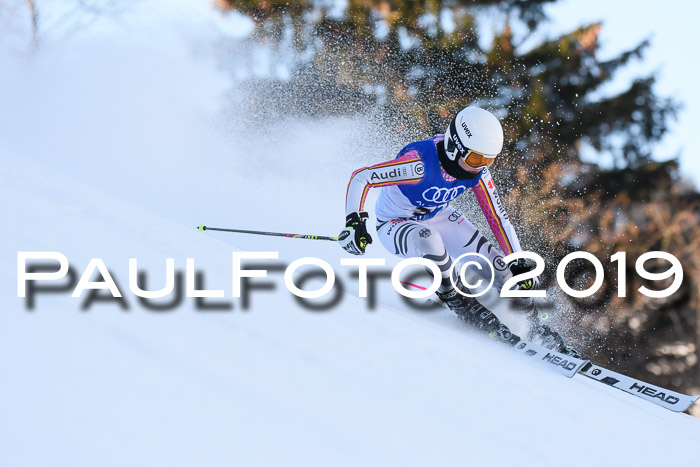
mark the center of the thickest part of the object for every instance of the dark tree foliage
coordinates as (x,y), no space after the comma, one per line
(415,63)
(422,73)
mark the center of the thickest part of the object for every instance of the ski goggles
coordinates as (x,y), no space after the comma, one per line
(476,160)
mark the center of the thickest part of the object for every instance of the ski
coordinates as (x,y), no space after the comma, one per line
(570,366)
(563,364)
(671,400)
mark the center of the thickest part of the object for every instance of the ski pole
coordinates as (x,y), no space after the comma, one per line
(273,234)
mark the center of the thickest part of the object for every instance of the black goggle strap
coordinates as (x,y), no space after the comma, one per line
(454,136)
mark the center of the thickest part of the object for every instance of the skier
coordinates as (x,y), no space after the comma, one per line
(415,219)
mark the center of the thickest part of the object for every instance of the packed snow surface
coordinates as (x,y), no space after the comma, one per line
(114,144)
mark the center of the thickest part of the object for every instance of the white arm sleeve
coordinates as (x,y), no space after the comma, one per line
(405,170)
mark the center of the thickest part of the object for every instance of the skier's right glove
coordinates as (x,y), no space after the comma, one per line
(354,237)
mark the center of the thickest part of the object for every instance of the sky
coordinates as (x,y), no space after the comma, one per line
(672,56)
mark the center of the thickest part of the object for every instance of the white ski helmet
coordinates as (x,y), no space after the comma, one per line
(475,135)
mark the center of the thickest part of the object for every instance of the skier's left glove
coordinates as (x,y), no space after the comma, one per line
(354,237)
(521,266)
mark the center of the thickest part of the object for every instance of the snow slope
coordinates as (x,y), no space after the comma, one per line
(114,151)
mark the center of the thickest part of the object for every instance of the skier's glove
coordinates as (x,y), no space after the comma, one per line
(354,237)
(521,266)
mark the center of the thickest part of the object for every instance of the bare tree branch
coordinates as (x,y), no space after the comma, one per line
(31,4)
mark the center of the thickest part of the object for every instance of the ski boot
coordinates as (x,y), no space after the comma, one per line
(475,314)
(550,339)
(503,334)
(553,341)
